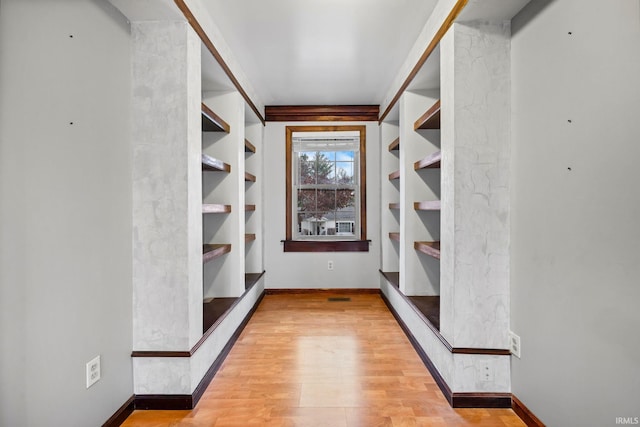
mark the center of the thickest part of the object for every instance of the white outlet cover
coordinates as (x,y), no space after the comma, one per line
(514,344)
(93,371)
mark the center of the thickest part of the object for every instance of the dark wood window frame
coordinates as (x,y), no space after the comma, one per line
(360,245)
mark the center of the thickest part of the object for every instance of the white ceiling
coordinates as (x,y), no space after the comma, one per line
(303,52)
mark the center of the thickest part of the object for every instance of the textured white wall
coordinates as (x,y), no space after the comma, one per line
(575,207)
(65,197)
(309,270)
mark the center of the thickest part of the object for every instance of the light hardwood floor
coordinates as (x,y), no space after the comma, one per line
(305,361)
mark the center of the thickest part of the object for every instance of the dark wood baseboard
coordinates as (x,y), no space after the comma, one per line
(323,291)
(524,413)
(121,414)
(456,400)
(189,401)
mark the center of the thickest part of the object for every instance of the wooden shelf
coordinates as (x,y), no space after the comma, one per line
(214,309)
(211,122)
(432,161)
(392,277)
(394,236)
(248,208)
(249,147)
(394,175)
(214,165)
(430,119)
(429,248)
(249,178)
(212,251)
(249,237)
(430,205)
(394,205)
(208,208)
(429,306)
(251,279)
(395,145)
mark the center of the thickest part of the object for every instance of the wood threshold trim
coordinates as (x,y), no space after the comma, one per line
(432,161)
(430,119)
(443,340)
(394,175)
(395,145)
(455,11)
(212,251)
(121,414)
(211,48)
(456,400)
(249,147)
(394,236)
(189,401)
(329,291)
(214,208)
(428,205)
(211,164)
(428,248)
(211,122)
(326,246)
(321,113)
(524,413)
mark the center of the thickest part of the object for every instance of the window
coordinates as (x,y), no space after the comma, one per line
(326,189)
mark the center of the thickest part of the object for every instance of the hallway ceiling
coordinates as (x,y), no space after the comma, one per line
(320,51)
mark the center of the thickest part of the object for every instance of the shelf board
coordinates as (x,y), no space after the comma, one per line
(394,205)
(249,237)
(430,119)
(394,175)
(429,306)
(432,161)
(251,279)
(209,208)
(430,205)
(429,248)
(249,147)
(212,251)
(211,122)
(394,236)
(395,145)
(249,178)
(213,309)
(214,165)
(248,208)
(392,277)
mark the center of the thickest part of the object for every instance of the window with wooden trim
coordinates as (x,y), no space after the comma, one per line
(326,189)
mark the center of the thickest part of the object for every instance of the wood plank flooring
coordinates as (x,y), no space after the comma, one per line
(303,360)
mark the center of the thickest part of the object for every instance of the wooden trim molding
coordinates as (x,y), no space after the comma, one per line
(212,49)
(455,11)
(524,413)
(321,113)
(326,246)
(456,400)
(121,414)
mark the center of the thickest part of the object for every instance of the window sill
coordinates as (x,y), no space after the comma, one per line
(326,246)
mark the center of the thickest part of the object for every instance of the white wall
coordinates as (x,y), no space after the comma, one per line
(65,197)
(309,270)
(575,208)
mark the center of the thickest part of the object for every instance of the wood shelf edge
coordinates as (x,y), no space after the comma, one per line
(395,145)
(249,147)
(214,208)
(394,236)
(429,248)
(211,251)
(211,122)
(212,164)
(432,161)
(394,175)
(430,119)
(429,205)
(249,177)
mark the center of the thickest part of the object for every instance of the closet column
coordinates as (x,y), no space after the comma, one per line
(167,188)
(475,132)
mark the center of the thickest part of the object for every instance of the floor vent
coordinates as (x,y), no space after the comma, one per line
(335,299)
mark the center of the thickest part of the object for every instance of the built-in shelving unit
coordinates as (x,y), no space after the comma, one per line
(211,164)
(430,205)
(213,251)
(211,122)
(432,161)
(429,248)
(212,208)
(430,119)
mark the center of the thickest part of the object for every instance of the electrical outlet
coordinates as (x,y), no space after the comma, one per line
(330,265)
(486,371)
(93,371)
(514,344)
